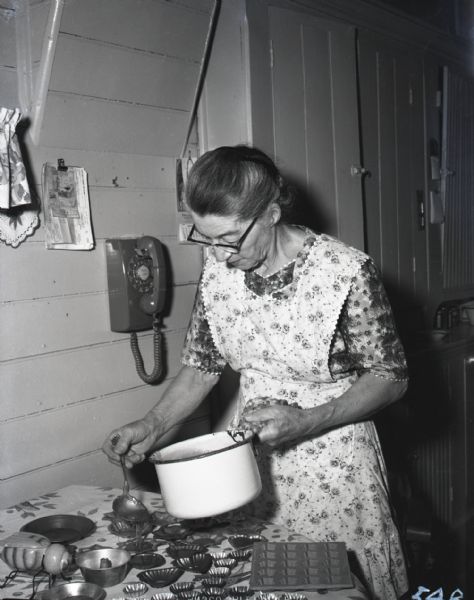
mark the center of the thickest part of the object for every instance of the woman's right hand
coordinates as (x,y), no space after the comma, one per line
(133,441)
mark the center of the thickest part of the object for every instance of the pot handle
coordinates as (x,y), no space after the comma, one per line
(240,435)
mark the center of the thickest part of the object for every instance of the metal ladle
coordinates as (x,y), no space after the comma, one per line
(127,506)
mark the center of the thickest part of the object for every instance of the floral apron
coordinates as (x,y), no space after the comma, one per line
(332,487)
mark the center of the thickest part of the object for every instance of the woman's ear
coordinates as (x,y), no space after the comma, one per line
(275,213)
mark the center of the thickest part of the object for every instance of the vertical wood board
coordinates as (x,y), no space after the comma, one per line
(388,167)
(320,160)
(288,95)
(369,119)
(346,136)
(259,75)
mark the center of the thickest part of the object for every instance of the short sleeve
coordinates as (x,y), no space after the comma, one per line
(367,327)
(199,350)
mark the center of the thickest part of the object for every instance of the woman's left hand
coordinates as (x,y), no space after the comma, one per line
(276,424)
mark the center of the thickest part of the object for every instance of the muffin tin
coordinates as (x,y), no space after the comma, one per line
(300,566)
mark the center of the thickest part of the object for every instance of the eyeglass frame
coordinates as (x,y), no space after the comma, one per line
(231,248)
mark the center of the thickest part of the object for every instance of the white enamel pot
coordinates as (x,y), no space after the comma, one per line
(208,475)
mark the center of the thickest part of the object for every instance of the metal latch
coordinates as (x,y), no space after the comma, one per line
(358,171)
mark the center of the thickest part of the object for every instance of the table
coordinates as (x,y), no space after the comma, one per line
(95,503)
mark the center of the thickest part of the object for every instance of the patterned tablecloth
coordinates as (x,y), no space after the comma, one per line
(95,503)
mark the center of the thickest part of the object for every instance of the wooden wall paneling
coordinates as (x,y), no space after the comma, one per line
(84,122)
(8,85)
(315,114)
(288,94)
(63,370)
(54,324)
(391,87)
(63,272)
(110,169)
(379,134)
(117,73)
(133,211)
(332,130)
(258,66)
(42,383)
(169,28)
(223,110)
(56,273)
(7,42)
(346,134)
(92,468)
(320,159)
(388,172)
(8,78)
(433,146)
(368,69)
(52,437)
(61,323)
(418,165)
(405,193)
(186,261)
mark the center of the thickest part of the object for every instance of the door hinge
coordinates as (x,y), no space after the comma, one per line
(271,54)
(410,96)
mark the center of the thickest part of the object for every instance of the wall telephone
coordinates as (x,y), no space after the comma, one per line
(136,277)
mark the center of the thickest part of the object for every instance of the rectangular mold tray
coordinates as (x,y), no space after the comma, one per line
(300,566)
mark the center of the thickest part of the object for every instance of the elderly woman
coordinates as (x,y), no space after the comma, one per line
(306,322)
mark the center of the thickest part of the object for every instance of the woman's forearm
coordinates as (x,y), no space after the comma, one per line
(367,396)
(181,398)
(277,424)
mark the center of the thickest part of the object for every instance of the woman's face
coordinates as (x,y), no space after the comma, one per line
(218,229)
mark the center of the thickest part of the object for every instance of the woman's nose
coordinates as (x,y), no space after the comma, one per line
(221,254)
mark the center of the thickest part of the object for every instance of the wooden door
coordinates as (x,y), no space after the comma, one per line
(315,122)
(392,138)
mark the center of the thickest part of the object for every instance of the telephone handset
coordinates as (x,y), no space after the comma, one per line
(136,276)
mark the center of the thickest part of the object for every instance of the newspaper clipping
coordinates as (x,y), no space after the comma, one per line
(66,208)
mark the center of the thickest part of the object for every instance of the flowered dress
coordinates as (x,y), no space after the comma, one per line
(302,337)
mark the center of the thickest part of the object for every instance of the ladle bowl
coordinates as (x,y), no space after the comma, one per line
(126,506)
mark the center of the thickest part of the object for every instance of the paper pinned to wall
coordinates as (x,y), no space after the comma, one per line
(66,208)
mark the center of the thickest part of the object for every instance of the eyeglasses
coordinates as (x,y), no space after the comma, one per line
(196,238)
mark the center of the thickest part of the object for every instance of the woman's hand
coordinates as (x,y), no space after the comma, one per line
(133,441)
(277,424)
(181,398)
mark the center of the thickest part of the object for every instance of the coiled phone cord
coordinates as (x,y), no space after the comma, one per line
(155,375)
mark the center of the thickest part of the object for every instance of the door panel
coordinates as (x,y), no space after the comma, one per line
(393,142)
(315,124)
